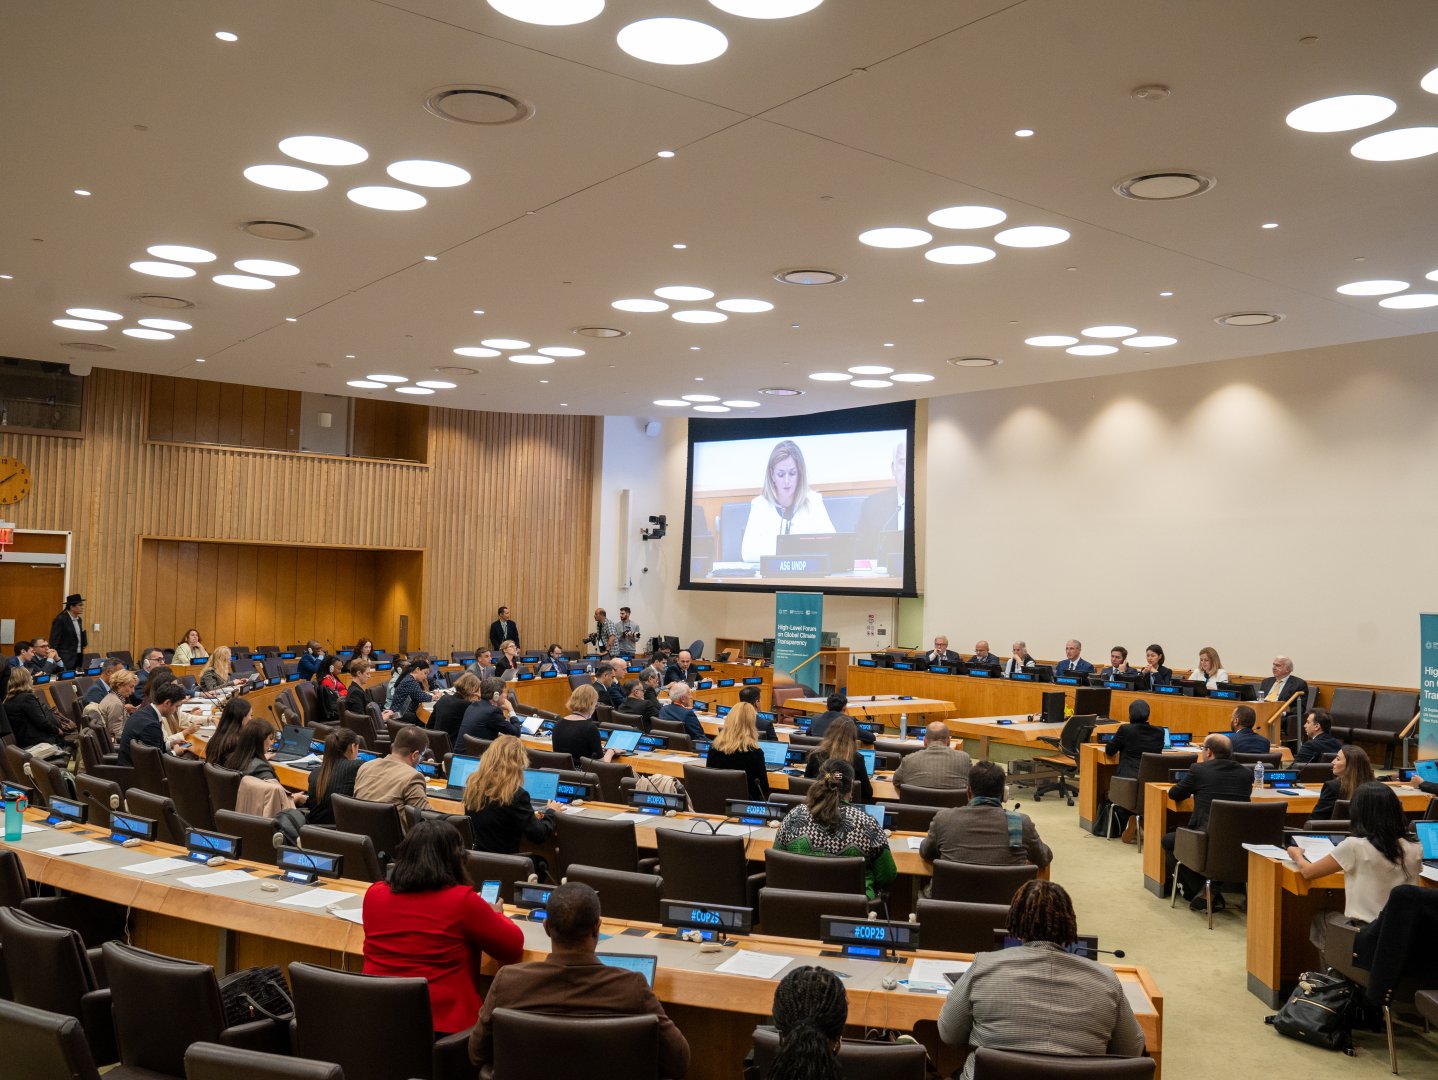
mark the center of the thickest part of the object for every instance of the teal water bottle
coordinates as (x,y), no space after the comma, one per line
(14,817)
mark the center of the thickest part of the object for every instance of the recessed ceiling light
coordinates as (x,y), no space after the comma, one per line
(1032,236)
(960,254)
(94,314)
(436,384)
(505,343)
(1165,294)
(888,344)
(533,359)
(1024,133)
(278,230)
(365,384)
(917,300)
(740,403)
(165,324)
(1429,82)
(1091,350)
(974,361)
(1400,145)
(701,316)
(599,332)
(665,154)
(562,351)
(693,348)
(1270,225)
(871,384)
(225,35)
(7,277)
(672,41)
(1409,301)
(431,258)
(781,391)
(1248,318)
(1347,112)
(81,192)
(379,197)
(640,304)
(1150,341)
(475,350)
(967,217)
(831,376)
(895,237)
(242,281)
(766,9)
(543,382)
(416,390)
(912,376)
(1164,186)
(387,378)
(1108,331)
(699,397)
(323,150)
(711,408)
(683,292)
(745,307)
(672,403)
(267,267)
(148,335)
(478,311)
(431,174)
(1376,287)
(291,318)
(1051,341)
(162,269)
(180,253)
(1432,275)
(549,12)
(809,276)
(286,177)
(870,369)
(79,324)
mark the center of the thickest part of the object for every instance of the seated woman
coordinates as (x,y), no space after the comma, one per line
(217,671)
(31,721)
(227,731)
(841,741)
(189,650)
(810,1010)
(1351,770)
(500,812)
(250,755)
(427,922)
(737,747)
(828,825)
(1210,668)
(1158,674)
(110,711)
(448,712)
(335,776)
(329,689)
(356,696)
(412,691)
(1084,1011)
(506,664)
(576,734)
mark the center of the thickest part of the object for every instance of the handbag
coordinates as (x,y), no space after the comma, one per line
(1319,1012)
(257,993)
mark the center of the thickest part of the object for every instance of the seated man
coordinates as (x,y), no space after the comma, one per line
(982,657)
(637,708)
(394,778)
(834,708)
(1215,776)
(1282,684)
(310,659)
(44,661)
(24,653)
(1318,738)
(1130,743)
(681,710)
(483,666)
(1244,739)
(1073,662)
(572,981)
(751,695)
(146,725)
(937,765)
(607,686)
(942,654)
(1019,660)
(984,832)
(678,671)
(1118,663)
(101,686)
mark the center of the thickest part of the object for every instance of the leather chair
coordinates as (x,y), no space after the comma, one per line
(49,779)
(169,827)
(1350,707)
(814,873)
(211,1061)
(361,725)
(600,842)
(936,797)
(795,913)
(709,789)
(189,789)
(48,968)
(1328,825)
(610,774)
(41,1045)
(474,746)
(460,823)
(707,869)
(676,741)
(799,738)
(13,760)
(97,793)
(361,862)
(379,821)
(439,744)
(327,1004)
(1217,853)
(907,816)
(857,1060)
(1064,765)
(1271,760)
(533,1046)
(957,926)
(492,866)
(1390,723)
(976,884)
(659,724)
(548,759)
(96,921)
(224,788)
(800,785)
(1315,772)
(96,761)
(621,895)
(62,695)
(309,700)
(257,834)
(1127,791)
(1010,1065)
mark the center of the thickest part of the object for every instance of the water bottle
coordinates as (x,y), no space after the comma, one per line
(1258,775)
(14,818)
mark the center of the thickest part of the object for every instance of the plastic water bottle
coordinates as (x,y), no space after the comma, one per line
(1258,775)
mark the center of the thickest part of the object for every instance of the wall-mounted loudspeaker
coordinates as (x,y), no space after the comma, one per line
(652,429)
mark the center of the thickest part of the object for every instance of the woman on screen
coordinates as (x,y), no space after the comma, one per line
(786,505)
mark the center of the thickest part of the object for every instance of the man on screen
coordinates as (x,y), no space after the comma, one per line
(882,511)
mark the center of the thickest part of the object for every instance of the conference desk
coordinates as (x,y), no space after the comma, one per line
(239,925)
(887,707)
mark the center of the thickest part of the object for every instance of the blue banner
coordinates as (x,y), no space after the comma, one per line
(798,618)
(1428,687)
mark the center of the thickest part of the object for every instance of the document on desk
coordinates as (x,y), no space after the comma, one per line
(757,965)
(1314,847)
(315,898)
(929,974)
(1268,851)
(349,914)
(630,815)
(157,866)
(1429,872)
(78,849)
(735,830)
(916,842)
(215,880)
(676,757)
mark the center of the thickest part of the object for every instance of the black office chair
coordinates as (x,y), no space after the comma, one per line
(708,869)
(858,1060)
(992,1064)
(621,895)
(360,861)
(959,926)
(548,759)
(1076,731)
(224,787)
(814,873)
(48,967)
(535,1046)
(600,842)
(211,1061)
(910,818)
(938,798)
(185,781)
(41,1045)
(492,866)
(977,884)
(611,774)
(380,821)
(796,913)
(710,789)
(169,827)
(101,796)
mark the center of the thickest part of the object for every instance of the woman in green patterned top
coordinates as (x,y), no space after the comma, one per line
(828,825)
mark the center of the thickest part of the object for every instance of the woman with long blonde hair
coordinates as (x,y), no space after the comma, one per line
(841,743)
(737,747)
(499,809)
(217,670)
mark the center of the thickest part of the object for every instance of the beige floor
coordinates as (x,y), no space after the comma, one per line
(1212,1026)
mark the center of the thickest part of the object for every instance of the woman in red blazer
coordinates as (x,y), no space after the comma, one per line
(428,922)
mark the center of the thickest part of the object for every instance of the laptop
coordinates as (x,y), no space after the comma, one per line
(1428,839)
(645,965)
(1177,740)
(541,785)
(626,742)
(532,725)
(776,755)
(879,814)
(460,766)
(1427,770)
(868,756)
(294,743)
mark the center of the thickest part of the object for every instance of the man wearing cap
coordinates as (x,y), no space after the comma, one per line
(67,632)
(1130,743)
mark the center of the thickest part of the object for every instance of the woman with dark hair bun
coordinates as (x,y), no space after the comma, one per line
(826,824)
(810,1010)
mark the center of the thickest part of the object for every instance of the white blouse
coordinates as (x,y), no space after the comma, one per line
(761,534)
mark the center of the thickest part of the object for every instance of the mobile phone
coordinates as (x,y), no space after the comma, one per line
(489,892)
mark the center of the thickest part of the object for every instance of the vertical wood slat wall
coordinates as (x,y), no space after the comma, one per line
(502,514)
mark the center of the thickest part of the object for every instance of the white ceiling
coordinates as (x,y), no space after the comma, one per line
(804,134)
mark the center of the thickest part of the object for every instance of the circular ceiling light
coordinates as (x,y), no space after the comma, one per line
(387,378)
(974,361)
(1091,350)
(683,292)
(1432,275)
(967,217)
(870,369)
(1024,133)
(701,316)
(90,346)
(640,305)
(700,397)
(1376,287)
(165,324)
(809,276)
(180,253)
(831,376)
(157,300)
(740,403)
(549,12)
(451,369)
(1032,236)
(530,358)
(1150,341)
(672,41)
(1109,331)
(1410,301)
(79,324)
(1164,186)
(781,391)
(895,237)
(323,150)
(744,307)
(1347,112)
(505,343)
(365,384)
(960,254)
(672,403)
(416,390)
(379,197)
(711,408)
(1248,318)
(1051,341)
(94,314)
(286,177)
(162,269)
(912,376)
(148,335)
(431,174)
(872,384)
(277,230)
(436,384)
(267,267)
(766,9)
(561,351)
(475,350)
(477,105)
(242,281)
(599,332)
(1403,144)
(225,35)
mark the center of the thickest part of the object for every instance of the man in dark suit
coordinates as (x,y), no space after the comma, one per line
(1130,743)
(678,671)
(1118,663)
(1073,662)
(1244,739)
(101,686)
(1215,776)
(941,655)
(146,724)
(834,708)
(607,684)
(1318,738)
(637,707)
(503,629)
(983,658)
(1282,685)
(67,632)
(882,511)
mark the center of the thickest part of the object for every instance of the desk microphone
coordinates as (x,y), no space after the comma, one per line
(1116,953)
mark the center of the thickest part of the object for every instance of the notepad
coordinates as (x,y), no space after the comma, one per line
(215,880)
(158,866)
(756,965)
(929,974)
(915,842)
(315,898)
(78,849)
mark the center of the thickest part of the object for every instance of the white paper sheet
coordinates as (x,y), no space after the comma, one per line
(630,815)
(215,880)
(79,848)
(1429,872)
(31,828)
(349,914)
(734,830)
(157,866)
(758,965)
(916,842)
(572,809)
(1314,847)
(929,974)
(315,898)
(678,757)
(1268,851)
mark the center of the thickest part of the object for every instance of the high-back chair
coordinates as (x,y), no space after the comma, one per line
(814,873)
(187,786)
(979,884)
(380,821)
(858,1060)
(1218,853)
(534,1046)
(41,1044)
(992,1064)
(223,786)
(1127,791)
(599,842)
(708,869)
(48,968)
(361,863)
(169,826)
(610,774)
(710,789)
(796,913)
(959,926)
(211,1061)
(257,834)
(622,895)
